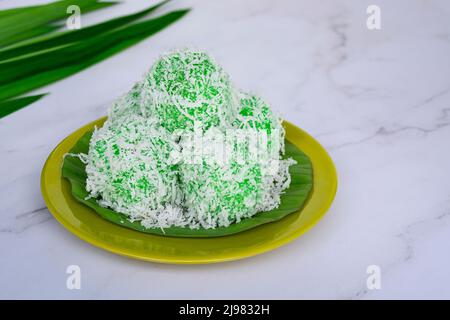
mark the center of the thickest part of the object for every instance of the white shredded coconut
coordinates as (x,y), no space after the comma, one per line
(148,163)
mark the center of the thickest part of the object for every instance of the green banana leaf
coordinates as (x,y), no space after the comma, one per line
(292,200)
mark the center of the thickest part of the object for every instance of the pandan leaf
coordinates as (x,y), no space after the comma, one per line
(292,200)
(33,33)
(9,106)
(65,38)
(34,72)
(15,25)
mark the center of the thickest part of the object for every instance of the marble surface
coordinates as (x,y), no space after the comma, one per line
(378,100)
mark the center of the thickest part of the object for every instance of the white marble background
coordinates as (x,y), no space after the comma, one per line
(379,101)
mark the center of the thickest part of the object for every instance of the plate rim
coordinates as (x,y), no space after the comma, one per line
(203,260)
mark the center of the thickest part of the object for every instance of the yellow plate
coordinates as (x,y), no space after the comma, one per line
(86,224)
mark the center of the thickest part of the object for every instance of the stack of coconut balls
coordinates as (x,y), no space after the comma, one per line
(184,148)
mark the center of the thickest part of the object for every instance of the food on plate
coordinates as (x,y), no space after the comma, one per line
(185,148)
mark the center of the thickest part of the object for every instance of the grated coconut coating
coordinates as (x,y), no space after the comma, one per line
(188,86)
(218,192)
(129,170)
(141,165)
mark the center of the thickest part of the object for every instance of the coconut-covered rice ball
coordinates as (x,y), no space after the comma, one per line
(255,119)
(218,195)
(129,170)
(188,86)
(141,163)
(128,105)
(219,190)
(255,113)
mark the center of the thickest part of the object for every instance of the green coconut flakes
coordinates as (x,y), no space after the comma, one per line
(184,151)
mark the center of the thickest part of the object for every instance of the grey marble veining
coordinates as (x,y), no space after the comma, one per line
(379,101)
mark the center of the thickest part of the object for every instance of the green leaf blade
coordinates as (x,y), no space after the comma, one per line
(16,24)
(292,200)
(25,75)
(10,106)
(68,37)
